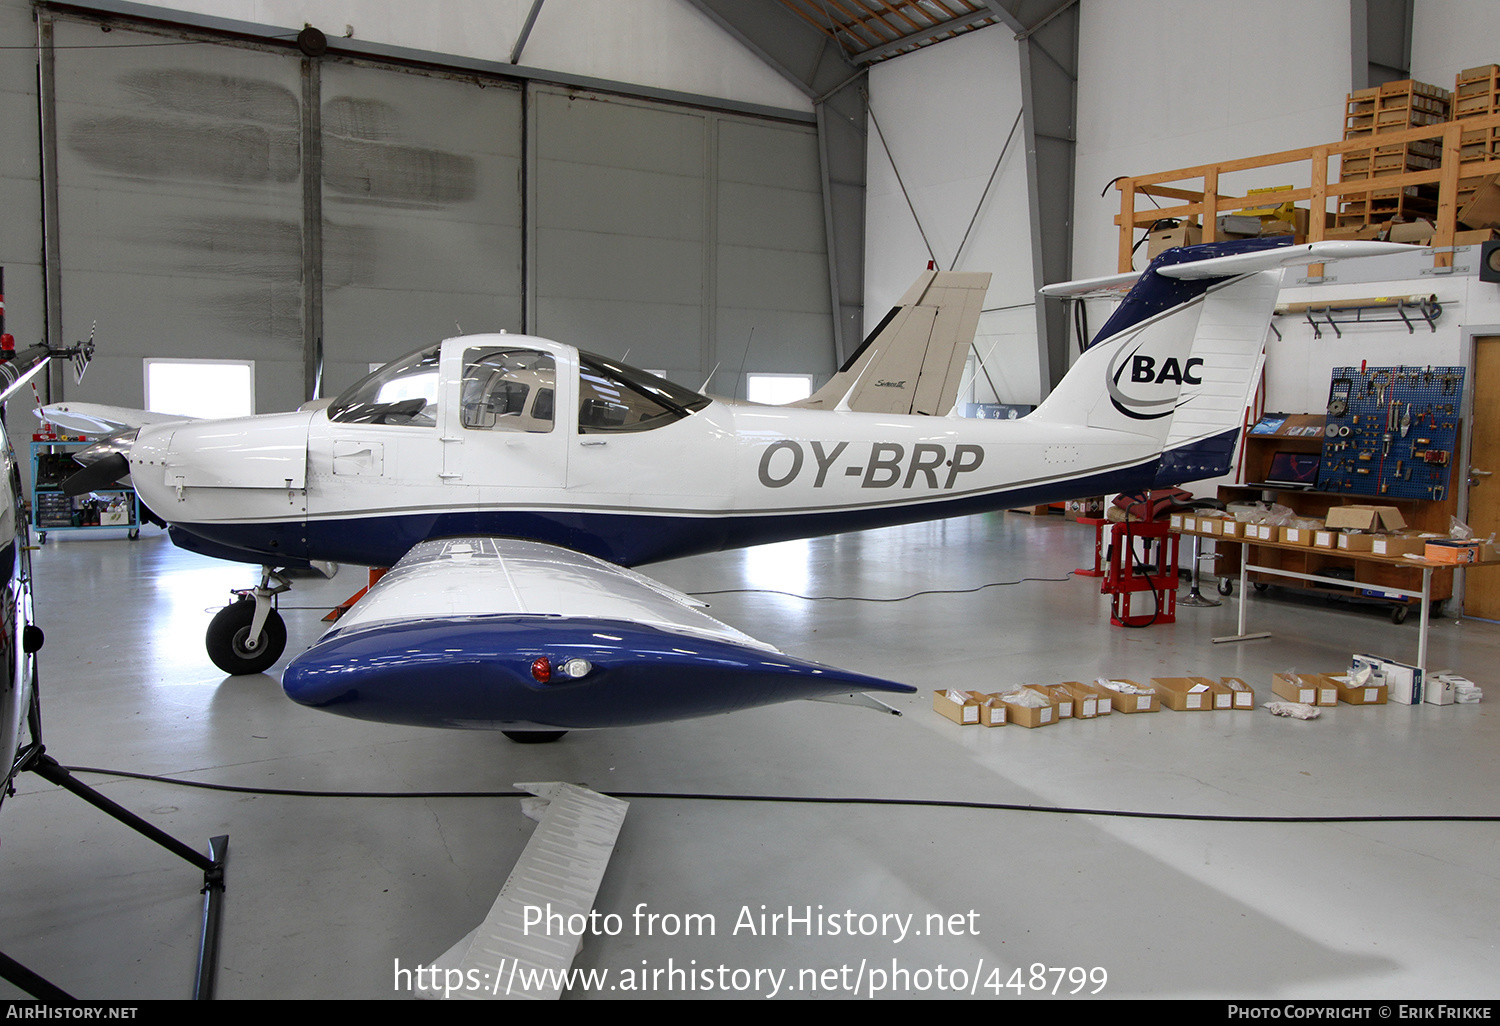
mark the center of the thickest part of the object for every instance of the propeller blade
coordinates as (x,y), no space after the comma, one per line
(99,474)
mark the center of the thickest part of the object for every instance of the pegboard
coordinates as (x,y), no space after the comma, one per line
(1392,432)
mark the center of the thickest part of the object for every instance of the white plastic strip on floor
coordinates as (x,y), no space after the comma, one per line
(558,873)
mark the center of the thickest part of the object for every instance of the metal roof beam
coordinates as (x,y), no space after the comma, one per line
(912,38)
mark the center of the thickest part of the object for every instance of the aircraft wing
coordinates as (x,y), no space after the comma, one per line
(518,635)
(99,419)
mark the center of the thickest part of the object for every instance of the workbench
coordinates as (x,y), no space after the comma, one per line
(1427,566)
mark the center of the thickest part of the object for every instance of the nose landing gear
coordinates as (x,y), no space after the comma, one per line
(248,635)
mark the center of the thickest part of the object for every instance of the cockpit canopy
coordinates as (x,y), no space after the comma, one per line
(514,388)
(404,391)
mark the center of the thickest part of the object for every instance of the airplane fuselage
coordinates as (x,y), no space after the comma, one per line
(285,488)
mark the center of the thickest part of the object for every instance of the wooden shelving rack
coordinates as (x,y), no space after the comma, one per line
(1206,203)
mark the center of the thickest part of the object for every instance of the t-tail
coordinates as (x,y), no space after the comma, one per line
(1178,361)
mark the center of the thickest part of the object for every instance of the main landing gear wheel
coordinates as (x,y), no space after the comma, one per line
(228,639)
(533,737)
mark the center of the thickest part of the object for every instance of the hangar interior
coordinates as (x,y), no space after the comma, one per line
(714,190)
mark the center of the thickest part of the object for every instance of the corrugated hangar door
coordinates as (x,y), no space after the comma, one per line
(677,235)
(421,212)
(179,206)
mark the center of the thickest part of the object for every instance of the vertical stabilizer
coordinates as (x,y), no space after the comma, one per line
(1176,359)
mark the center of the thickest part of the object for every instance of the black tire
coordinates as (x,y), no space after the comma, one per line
(1260,585)
(1398,614)
(1226,586)
(533,737)
(229,630)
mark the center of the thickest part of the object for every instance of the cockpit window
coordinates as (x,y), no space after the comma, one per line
(614,397)
(508,390)
(404,392)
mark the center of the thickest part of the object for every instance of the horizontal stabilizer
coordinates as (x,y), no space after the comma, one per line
(498,633)
(914,359)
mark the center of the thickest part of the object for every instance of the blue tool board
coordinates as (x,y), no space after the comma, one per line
(1392,432)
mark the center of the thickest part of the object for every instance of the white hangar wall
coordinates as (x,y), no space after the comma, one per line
(944,113)
(1165,84)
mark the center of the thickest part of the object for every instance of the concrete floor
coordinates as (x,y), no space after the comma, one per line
(325,895)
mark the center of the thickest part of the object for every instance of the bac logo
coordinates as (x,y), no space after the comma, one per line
(887,464)
(1143,368)
(1148,371)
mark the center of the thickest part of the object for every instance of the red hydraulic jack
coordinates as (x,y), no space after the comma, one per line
(1142,562)
(376,573)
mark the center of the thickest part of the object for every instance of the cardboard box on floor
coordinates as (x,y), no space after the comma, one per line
(1307,688)
(1031,715)
(1184,694)
(1061,697)
(993,712)
(962,707)
(1403,682)
(1244,694)
(1085,702)
(1365,694)
(1103,700)
(1125,702)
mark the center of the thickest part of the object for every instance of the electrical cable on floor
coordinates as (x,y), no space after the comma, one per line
(862,598)
(932,803)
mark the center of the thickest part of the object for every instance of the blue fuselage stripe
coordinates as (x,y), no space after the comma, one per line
(627,539)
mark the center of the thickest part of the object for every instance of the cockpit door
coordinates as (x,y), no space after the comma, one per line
(503,418)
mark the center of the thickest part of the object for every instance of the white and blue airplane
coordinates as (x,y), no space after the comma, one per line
(511,482)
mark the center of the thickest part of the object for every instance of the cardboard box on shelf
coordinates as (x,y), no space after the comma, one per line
(1483,210)
(1451,550)
(1184,694)
(1365,518)
(1296,536)
(1416,233)
(1475,237)
(1398,545)
(1356,542)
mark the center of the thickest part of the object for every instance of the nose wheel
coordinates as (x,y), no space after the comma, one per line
(248,635)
